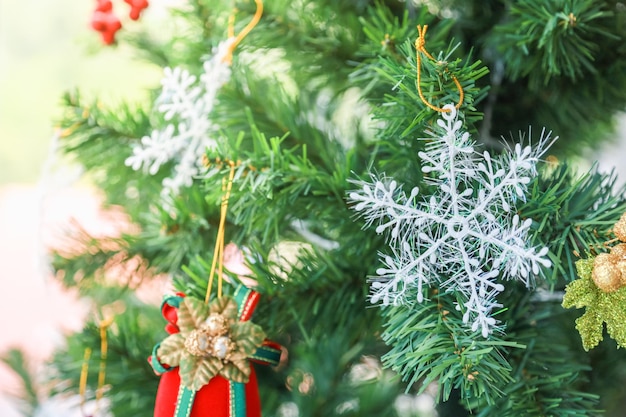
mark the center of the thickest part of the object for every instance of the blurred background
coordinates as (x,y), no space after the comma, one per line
(47,48)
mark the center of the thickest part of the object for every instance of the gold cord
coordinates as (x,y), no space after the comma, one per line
(420,46)
(218,253)
(231,24)
(231,30)
(82,384)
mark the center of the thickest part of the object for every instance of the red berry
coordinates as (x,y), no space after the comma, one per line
(104,6)
(136,7)
(107,24)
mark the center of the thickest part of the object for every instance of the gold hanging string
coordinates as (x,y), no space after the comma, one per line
(420,46)
(82,384)
(104,325)
(224,210)
(231,29)
(231,24)
(218,253)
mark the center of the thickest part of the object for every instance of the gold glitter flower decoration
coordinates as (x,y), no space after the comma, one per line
(211,342)
(603,305)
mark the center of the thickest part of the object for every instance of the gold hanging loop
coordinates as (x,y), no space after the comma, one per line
(244,32)
(420,47)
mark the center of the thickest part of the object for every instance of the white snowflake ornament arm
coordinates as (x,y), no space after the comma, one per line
(178,94)
(186,102)
(463,237)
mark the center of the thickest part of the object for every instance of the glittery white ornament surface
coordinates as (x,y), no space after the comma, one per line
(466,237)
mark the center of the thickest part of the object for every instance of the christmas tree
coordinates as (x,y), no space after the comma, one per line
(399,182)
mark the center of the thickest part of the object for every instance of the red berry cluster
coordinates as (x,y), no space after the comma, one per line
(107,23)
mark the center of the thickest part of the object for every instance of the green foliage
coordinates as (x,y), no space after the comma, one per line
(322,93)
(556,52)
(573,214)
(339,381)
(565,37)
(429,343)
(130,381)
(99,140)
(549,374)
(28,397)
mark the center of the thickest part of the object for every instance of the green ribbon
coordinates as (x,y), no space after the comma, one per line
(237,399)
(184,402)
(173,300)
(241,296)
(267,354)
(157,366)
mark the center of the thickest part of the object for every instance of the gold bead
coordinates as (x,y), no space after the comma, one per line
(606,275)
(619,252)
(215,325)
(222,346)
(620,228)
(621,266)
(198,343)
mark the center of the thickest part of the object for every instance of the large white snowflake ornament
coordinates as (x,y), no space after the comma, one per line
(186,103)
(465,237)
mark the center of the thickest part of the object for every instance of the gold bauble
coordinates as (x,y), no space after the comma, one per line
(606,274)
(619,252)
(621,267)
(620,228)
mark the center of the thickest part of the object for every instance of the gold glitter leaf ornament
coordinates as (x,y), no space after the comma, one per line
(211,342)
(601,307)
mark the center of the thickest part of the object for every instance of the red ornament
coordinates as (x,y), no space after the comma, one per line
(136,6)
(213,400)
(106,23)
(217,398)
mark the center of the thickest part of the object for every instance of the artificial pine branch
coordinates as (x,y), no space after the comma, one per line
(130,382)
(550,373)
(564,35)
(283,122)
(28,396)
(447,354)
(573,215)
(98,139)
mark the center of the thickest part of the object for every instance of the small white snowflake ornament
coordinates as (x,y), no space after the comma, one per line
(186,103)
(465,237)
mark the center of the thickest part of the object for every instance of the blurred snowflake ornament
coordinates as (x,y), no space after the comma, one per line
(466,234)
(186,103)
